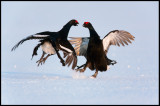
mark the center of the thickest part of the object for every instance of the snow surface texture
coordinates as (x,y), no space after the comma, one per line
(133,80)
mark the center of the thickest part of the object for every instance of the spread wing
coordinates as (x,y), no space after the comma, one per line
(71,57)
(81,45)
(42,35)
(116,37)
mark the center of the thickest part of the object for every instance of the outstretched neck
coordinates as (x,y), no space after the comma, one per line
(93,33)
(65,30)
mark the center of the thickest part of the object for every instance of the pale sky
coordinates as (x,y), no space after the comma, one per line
(21,19)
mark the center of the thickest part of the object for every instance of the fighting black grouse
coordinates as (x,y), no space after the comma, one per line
(81,44)
(95,49)
(52,42)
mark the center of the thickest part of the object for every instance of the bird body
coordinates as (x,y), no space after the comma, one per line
(95,56)
(95,49)
(95,53)
(48,48)
(52,42)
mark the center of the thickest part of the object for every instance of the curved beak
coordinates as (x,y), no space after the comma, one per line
(76,24)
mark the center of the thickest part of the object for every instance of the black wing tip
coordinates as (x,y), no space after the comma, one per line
(13,48)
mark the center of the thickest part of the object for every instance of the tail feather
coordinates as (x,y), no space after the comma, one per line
(29,38)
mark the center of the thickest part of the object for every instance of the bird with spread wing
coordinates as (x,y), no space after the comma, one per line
(95,50)
(52,42)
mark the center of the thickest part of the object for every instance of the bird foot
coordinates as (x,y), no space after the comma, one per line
(93,76)
(41,61)
(80,70)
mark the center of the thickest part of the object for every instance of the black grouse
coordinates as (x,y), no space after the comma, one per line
(47,48)
(95,49)
(52,42)
(81,45)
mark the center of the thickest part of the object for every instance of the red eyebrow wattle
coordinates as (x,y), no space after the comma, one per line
(86,22)
(76,21)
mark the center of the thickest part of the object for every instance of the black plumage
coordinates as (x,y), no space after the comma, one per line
(81,45)
(95,49)
(55,41)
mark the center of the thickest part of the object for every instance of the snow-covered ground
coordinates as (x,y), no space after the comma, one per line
(133,80)
(40,88)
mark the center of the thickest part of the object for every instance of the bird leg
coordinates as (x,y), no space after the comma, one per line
(95,74)
(62,61)
(41,59)
(82,70)
(44,59)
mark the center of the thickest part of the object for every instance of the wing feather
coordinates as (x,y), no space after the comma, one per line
(71,57)
(69,53)
(81,45)
(117,37)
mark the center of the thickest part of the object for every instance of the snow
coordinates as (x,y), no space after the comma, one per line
(133,80)
(35,88)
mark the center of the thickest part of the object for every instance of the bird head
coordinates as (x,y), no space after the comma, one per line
(87,25)
(74,22)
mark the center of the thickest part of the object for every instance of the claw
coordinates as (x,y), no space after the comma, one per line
(41,61)
(38,62)
(93,76)
(80,70)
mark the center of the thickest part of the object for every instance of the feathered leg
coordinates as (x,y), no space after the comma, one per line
(40,60)
(95,74)
(44,59)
